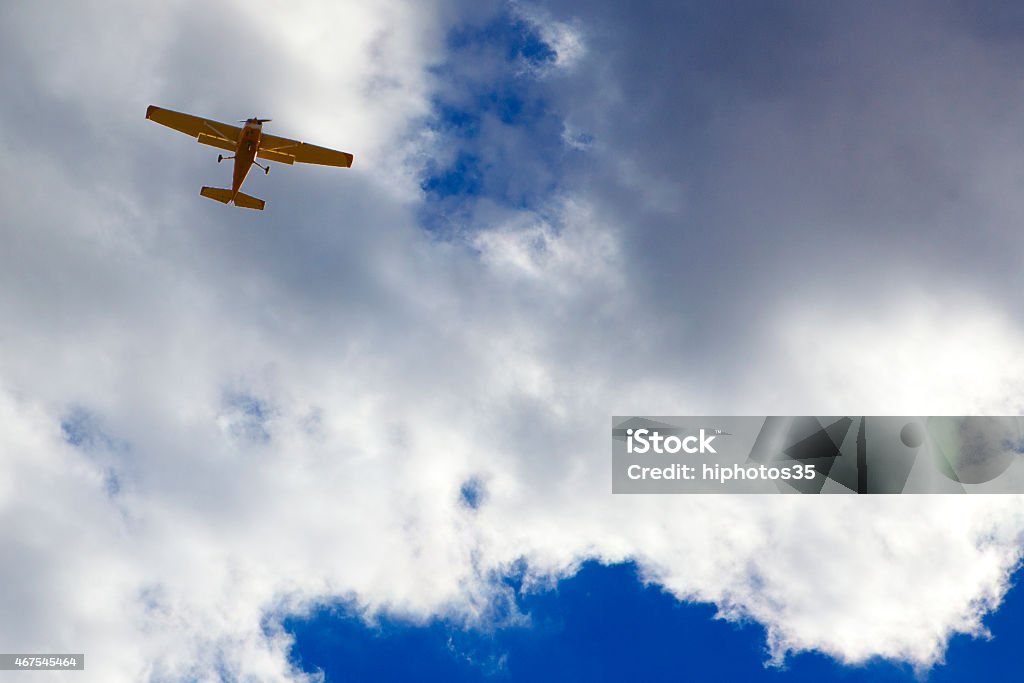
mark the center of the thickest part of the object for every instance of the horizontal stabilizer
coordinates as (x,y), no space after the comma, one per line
(222,196)
(247,202)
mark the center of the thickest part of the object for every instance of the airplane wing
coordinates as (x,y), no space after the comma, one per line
(208,132)
(288,151)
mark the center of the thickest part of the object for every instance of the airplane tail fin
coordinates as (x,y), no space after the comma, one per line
(224,196)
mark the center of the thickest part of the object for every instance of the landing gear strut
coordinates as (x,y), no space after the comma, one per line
(266,169)
(221,157)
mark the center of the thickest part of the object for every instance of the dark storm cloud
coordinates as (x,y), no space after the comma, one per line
(762,154)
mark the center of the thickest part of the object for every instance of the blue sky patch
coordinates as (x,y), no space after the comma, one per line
(518,38)
(81,428)
(249,416)
(603,624)
(472,493)
(498,138)
(463,178)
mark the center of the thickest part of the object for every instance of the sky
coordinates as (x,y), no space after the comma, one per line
(602,624)
(369,425)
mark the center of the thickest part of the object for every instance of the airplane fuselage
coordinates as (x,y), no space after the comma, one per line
(245,153)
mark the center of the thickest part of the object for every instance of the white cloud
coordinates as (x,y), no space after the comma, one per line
(290,402)
(948,352)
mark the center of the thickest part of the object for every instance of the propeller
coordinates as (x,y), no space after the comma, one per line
(261,121)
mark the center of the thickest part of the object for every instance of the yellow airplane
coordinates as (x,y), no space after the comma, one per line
(247,143)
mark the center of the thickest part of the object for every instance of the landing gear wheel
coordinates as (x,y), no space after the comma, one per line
(266,171)
(220,158)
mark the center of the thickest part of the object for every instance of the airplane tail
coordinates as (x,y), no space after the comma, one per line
(247,202)
(224,196)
